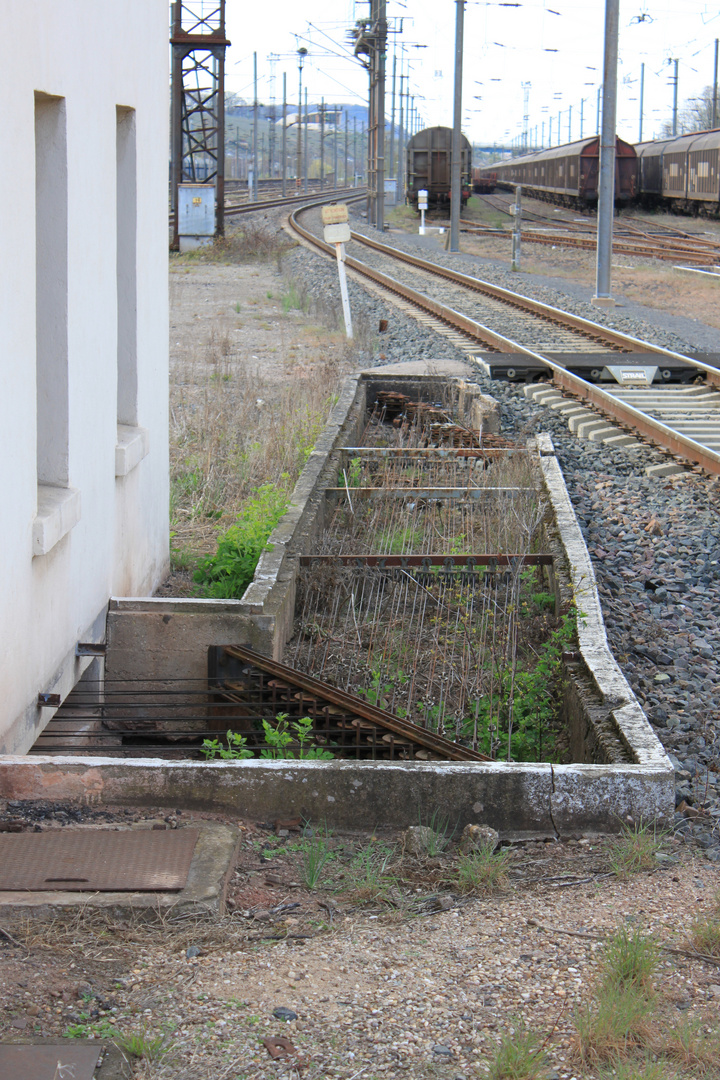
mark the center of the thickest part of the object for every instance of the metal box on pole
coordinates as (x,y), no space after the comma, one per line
(196,215)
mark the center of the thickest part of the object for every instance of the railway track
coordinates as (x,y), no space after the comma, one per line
(314,198)
(532,322)
(643,240)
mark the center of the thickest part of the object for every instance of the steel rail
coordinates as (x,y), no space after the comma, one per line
(314,198)
(364,709)
(664,253)
(650,428)
(555,315)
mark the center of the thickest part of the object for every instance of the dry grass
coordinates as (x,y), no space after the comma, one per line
(705,931)
(232,430)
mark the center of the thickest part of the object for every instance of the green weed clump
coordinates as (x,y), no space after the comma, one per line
(227,573)
(635,849)
(622,1019)
(142,1045)
(482,872)
(370,877)
(316,853)
(630,959)
(519,1056)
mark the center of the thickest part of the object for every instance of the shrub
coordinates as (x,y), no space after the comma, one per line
(227,573)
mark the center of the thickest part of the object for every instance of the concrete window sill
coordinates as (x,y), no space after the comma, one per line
(58,511)
(133,444)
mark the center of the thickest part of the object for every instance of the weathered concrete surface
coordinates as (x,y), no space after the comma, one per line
(204,892)
(517,799)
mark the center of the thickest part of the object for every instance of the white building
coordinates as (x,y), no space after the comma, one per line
(83,335)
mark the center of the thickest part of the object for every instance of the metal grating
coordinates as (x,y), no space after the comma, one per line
(101,861)
(49,1062)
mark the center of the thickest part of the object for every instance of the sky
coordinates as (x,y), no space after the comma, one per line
(550,49)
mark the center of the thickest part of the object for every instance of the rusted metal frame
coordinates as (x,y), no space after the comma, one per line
(646,425)
(449,492)
(357,706)
(446,561)
(432,453)
(562,318)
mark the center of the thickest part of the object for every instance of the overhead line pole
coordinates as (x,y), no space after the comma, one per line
(606,190)
(455,160)
(284,135)
(715,88)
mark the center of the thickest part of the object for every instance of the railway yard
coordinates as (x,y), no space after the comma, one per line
(401,974)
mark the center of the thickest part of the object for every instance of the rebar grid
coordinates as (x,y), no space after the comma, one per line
(438,644)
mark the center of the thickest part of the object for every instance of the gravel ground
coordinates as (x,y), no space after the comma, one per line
(655,543)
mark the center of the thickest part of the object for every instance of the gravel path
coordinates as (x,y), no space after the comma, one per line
(655,543)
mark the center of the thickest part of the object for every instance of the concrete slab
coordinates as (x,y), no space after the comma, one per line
(204,891)
(454,368)
(52,1059)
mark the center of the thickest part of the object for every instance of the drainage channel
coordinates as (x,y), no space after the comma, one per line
(422,631)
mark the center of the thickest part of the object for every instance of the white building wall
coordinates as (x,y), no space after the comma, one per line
(101,534)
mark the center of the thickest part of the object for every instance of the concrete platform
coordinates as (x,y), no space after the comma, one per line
(204,891)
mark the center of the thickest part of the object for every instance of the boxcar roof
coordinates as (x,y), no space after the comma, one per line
(573,149)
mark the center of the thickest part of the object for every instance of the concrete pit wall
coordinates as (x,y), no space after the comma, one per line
(621,770)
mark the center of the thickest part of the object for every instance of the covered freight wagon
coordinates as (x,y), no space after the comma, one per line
(568,175)
(428,163)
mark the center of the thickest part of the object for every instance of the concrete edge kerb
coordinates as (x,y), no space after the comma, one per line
(633,726)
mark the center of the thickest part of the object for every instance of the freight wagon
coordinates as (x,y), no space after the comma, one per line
(681,173)
(428,161)
(568,175)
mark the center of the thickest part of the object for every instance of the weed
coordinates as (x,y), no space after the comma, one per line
(646,1069)
(519,1055)
(282,736)
(369,875)
(705,931)
(619,1022)
(482,872)
(237,307)
(237,747)
(629,959)
(692,1048)
(294,299)
(142,1045)
(86,1028)
(635,849)
(230,570)
(440,834)
(316,853)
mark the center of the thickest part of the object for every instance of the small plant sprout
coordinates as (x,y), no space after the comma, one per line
(316,853)
(636,848)
(237,747)
(141,1044)
(519,1056)
(290,740)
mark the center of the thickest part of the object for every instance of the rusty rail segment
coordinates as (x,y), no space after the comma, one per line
(356,705)
(647,426)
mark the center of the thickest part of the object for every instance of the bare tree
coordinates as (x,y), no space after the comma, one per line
(695,115)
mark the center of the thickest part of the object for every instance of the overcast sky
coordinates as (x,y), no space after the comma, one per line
(554,45)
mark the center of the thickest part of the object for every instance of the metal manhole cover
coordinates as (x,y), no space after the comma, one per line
(32,1062)
(102,861)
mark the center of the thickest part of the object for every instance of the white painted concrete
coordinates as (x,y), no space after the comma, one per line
(83,305)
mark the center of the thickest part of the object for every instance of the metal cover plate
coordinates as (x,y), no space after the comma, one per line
(47,1062)
(102,861)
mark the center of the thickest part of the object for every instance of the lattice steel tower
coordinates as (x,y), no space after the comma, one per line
(198,100)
